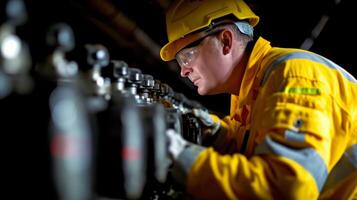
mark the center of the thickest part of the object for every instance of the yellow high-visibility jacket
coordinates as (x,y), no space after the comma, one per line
(291,134)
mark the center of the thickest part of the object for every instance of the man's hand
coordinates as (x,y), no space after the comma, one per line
(176,143)
(211,126)
(183,153)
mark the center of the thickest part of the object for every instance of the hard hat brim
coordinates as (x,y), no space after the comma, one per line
(169,51)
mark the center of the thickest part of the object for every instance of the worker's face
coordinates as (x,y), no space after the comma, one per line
(206,65)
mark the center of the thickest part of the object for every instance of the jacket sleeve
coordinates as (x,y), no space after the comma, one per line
(292,131)
(226,139)
(229,139)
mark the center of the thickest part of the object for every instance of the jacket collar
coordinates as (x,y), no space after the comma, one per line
(251,79)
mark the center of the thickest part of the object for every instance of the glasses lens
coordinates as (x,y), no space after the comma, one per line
(186,56)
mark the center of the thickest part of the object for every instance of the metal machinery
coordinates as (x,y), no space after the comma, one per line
(87,128)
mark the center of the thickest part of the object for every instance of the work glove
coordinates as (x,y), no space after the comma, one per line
(182,154)
(210,126)
(176,143)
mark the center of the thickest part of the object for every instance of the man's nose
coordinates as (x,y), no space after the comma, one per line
(185,71)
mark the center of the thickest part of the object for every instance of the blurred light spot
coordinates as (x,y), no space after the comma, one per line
(11,47)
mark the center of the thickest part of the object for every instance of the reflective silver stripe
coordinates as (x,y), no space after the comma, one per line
(184,162)
(351,155)
(293,136)
(309,56)
(308,158)
(345,166)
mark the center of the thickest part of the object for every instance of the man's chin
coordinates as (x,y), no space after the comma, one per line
(204,91)
(201,91)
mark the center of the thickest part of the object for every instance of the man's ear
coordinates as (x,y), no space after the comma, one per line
(226,38)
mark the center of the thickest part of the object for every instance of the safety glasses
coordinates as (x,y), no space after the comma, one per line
(189,54)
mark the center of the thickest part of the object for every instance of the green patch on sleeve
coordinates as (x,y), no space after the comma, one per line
(309,91)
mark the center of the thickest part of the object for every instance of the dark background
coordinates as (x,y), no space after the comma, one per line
(284,23)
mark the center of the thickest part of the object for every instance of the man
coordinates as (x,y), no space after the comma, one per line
(292,131)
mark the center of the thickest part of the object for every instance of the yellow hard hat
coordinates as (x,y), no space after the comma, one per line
(187,16)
